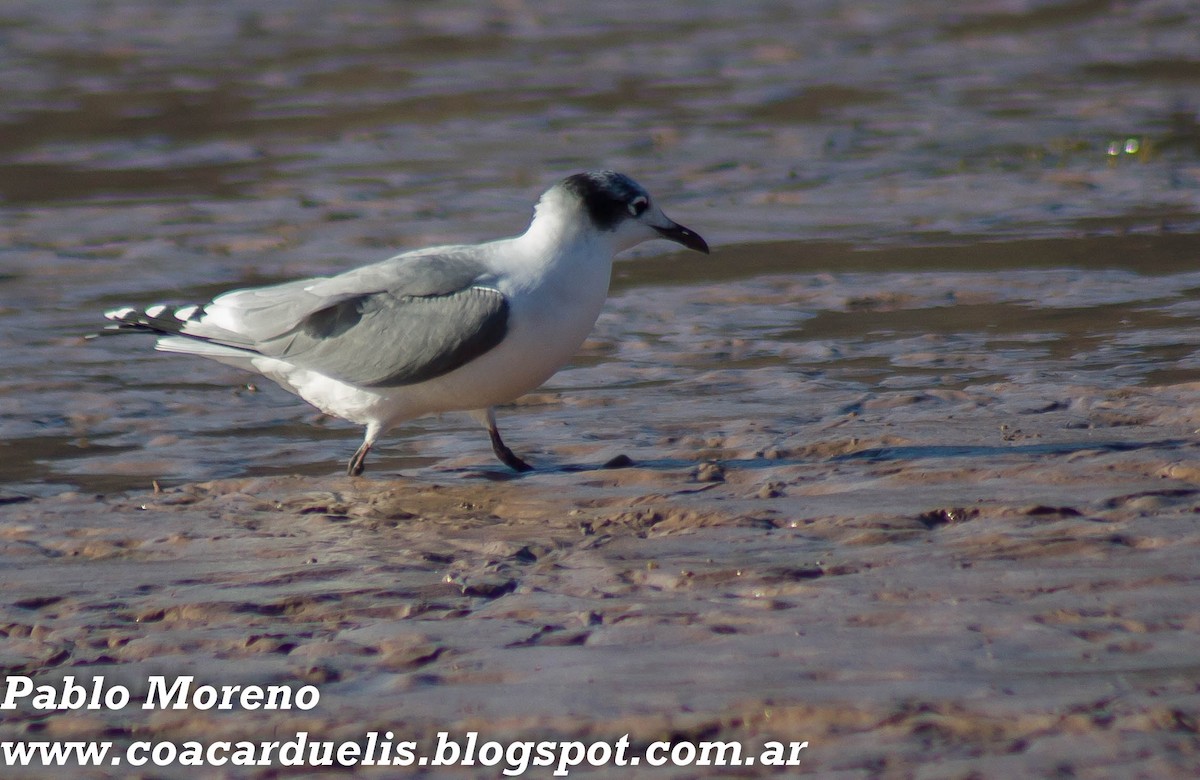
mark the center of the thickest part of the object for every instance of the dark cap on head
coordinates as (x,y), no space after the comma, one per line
(611,198)
(605,194)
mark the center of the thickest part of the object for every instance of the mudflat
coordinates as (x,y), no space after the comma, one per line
(909,462)
(1018,598)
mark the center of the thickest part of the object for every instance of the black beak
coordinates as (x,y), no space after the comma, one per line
(681,235)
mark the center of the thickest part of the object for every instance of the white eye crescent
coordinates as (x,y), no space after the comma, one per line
(638,205)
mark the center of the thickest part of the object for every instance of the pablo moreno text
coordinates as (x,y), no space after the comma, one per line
(179,693)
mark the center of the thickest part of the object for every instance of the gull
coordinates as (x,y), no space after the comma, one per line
(449,328)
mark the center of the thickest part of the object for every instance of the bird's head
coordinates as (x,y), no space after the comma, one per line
(615,204)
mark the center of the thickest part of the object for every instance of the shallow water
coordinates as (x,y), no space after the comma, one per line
(903,200)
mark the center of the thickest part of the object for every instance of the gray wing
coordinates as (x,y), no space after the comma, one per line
(261,313)
(405,320)
(388,340)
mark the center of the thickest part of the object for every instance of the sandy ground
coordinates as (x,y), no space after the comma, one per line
(932,510)
(1012,596)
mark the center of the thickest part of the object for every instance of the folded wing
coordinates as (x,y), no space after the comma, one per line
(399,322)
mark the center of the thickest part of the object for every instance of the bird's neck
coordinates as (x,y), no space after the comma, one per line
(556,237)
(564,259)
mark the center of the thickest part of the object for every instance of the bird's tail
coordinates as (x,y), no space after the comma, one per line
(176,327)
(160,318)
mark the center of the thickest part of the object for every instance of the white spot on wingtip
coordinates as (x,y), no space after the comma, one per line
(155,311)
(185,314)
(119,314)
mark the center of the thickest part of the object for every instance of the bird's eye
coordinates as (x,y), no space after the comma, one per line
(639,205)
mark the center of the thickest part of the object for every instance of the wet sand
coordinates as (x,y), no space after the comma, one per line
(914,452)
(1013,596)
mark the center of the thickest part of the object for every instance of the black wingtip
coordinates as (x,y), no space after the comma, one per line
(159,318)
